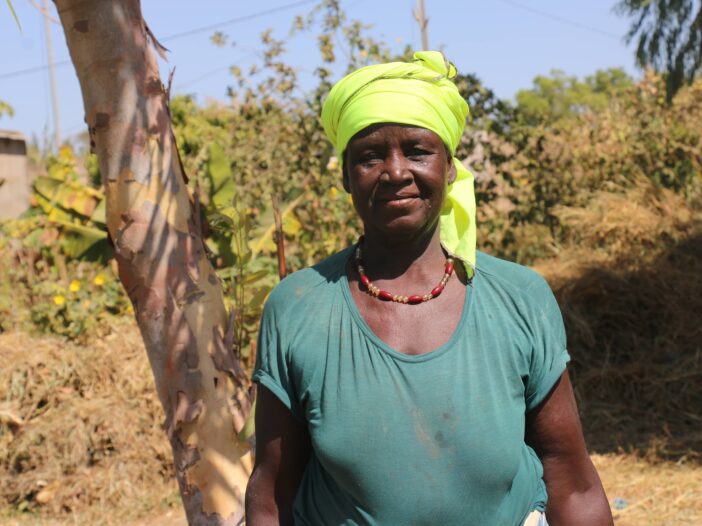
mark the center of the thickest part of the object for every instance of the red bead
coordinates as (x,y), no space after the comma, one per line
(437,290)
(365,281)
(385,295)
(449,268)
(414,300)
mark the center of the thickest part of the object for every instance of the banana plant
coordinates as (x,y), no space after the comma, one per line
(72,208)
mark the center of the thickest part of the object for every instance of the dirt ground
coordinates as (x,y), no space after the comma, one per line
(641,493)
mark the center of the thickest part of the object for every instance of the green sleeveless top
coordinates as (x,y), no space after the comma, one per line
(404,440)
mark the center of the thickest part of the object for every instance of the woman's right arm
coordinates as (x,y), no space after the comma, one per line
(282,452)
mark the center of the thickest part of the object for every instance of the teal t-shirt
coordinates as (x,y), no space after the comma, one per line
(414,440)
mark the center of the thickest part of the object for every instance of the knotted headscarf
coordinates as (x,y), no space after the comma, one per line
(418,93)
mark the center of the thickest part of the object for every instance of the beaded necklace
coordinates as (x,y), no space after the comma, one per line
(388,296)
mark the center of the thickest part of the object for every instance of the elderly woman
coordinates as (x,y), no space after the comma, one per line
(409,379)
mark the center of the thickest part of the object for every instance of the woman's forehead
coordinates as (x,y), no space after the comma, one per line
(382,130)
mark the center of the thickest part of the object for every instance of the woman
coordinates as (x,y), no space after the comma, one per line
(409,380)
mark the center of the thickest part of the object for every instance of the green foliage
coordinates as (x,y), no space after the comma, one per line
(42,291)
(72,211)
(559,96)
(564,142)
(570,161)
(56,254)
(268,141)
(669,38)
(81,309)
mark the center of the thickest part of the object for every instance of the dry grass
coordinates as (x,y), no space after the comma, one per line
(651,494)
(629,282)
(81,430)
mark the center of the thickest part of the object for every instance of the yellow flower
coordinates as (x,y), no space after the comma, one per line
(59,300)
(74,286)
(130,309)
(99,280)
(364,53)
(333,192)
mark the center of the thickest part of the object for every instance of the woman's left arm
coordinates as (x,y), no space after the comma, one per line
(575,494)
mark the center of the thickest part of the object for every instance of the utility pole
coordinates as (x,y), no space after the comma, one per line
(421,18)
(52,73)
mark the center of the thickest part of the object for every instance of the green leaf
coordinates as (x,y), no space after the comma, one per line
(264,238)
(220,173)
(53,212)
(259,297)
(220,222)
(14,14)
(249,427)
(98,215)
(254,277)
(69,197)
(78,240)
(34,239)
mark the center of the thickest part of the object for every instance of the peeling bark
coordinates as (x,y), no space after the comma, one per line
(161,255)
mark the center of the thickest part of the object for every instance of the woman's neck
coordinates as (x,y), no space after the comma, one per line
(416,258)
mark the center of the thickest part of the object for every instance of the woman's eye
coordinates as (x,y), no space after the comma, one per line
(369,158)
(417,152)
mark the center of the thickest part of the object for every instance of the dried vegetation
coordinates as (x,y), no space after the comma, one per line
(629,281)
(81,429)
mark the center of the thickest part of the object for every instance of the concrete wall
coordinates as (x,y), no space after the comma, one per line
(15,190)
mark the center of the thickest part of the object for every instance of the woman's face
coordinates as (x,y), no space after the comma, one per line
(397,176)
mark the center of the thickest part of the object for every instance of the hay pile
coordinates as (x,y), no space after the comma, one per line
(80,429)
(629,281)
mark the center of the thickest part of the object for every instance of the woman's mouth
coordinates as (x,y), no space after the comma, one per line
(399,201)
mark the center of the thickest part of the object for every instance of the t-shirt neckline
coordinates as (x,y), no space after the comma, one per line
(380,344)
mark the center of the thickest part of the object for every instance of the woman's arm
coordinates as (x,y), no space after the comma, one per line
(282,451)
(575,494)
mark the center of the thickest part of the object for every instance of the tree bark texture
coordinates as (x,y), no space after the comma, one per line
(159,249)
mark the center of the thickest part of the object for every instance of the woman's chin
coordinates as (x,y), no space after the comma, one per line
(401,228)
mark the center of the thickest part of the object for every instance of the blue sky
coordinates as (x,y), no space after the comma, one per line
(505,42)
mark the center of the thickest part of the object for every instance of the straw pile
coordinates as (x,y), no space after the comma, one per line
(629,281)
(80,429)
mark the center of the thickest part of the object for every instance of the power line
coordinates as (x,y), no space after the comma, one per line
(561,19)
(187,83)
(238,19)
(182,34)
(32,70)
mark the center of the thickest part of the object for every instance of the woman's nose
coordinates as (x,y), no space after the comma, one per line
(396,168)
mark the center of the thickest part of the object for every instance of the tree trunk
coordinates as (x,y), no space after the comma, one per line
(176,295)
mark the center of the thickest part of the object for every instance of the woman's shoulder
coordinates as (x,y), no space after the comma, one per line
(518,290)
(309,285)
(509,276)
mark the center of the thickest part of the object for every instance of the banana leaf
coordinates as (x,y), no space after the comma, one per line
(263,240)
(80,241)
(222,188)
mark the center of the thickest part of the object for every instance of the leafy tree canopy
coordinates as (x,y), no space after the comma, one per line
(558,95)
(669,38)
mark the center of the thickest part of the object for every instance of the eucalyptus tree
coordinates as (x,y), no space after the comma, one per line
(155,226)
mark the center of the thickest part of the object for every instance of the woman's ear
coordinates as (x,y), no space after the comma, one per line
(452,173)
(345,172)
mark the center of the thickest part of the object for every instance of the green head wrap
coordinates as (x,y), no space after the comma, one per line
(418,93)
